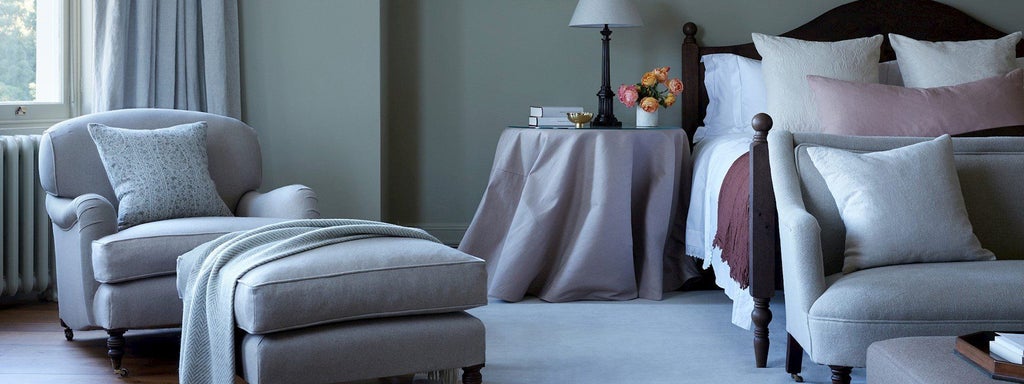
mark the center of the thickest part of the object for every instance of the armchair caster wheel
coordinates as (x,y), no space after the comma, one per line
(797,378)
(121,372)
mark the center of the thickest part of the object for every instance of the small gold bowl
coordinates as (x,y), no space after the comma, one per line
(580,118)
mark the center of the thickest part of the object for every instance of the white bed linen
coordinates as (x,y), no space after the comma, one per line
(712,157)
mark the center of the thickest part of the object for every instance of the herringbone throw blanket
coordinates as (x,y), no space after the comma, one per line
(207,331)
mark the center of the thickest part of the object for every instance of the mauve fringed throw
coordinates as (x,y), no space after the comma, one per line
(207,330)
(733,235)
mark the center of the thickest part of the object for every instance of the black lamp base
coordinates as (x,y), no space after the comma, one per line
(605,121)
(605,110)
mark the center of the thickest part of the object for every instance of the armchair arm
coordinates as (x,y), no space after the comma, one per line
(88,210)
(803,267)
(294,201)
(76,224)
(803,270)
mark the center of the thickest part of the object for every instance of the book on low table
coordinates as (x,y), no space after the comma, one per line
(553,111)
(1008,346)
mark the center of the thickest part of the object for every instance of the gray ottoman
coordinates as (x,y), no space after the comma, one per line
(924,360)
(360,310)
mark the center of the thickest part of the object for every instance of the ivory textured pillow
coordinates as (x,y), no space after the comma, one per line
(900,206)
(786,62)
(847,108)
(926,64)
(158,174)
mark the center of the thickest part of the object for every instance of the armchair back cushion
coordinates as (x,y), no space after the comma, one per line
(70,164)
(989,169)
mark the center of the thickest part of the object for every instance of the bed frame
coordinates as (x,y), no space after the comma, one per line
(918,19)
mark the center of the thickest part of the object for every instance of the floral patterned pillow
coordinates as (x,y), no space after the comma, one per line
(158,174)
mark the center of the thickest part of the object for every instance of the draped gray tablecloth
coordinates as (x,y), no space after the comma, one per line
(574,214)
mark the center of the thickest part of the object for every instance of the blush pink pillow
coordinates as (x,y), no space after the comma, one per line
(860,109)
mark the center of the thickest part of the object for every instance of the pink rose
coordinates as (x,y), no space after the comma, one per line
(628,95)
(649,79)
(649,104)
(675,86)
(661,73)
(669,100)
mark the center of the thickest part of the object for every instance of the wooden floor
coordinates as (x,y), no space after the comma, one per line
(33,350)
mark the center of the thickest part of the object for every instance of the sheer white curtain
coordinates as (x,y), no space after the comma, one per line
(180,54)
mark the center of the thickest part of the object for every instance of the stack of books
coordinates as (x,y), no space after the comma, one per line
(1008,346)
(552,116)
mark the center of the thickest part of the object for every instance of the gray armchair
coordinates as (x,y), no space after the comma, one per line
(835,316)
(119,280)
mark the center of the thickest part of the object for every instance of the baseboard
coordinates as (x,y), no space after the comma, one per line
(448,233)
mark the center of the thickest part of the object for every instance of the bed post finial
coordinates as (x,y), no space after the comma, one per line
(762,124)
(692,83)
(690,31)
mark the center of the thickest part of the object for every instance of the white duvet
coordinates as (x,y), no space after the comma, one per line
(712,156)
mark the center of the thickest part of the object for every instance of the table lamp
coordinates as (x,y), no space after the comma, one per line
(605,13)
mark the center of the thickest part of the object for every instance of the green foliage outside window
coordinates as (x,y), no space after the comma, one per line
(17,50)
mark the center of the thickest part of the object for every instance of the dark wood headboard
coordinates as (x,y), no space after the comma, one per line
(918,19)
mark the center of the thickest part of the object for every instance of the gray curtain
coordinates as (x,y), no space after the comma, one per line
(180,54)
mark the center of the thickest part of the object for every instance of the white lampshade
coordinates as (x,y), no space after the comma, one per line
(598,13)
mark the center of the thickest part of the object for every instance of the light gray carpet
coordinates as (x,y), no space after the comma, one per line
(685,338)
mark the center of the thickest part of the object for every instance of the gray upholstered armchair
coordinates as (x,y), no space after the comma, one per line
(118,280)
(833,315)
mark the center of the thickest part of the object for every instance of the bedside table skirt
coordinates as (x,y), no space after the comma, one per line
(584,215)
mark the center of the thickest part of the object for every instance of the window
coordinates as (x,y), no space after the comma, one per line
(35,62)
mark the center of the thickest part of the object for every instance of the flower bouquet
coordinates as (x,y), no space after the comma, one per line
(647,94)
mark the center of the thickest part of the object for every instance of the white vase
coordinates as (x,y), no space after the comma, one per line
(646,119)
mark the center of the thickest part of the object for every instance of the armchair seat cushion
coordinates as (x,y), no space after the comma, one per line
(926,299)
(368,278)
(152,249)
(955,292)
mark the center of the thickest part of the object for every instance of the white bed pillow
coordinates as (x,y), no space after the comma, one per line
(900,206)
(786,63)
(735,93)
(926,64)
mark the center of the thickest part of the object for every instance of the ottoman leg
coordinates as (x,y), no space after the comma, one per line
(840,374)
(471,374)
(115,350)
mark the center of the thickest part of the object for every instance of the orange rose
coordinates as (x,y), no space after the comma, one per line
(649,79)
(669,100)
(675,86)
(649,104)
(661,73)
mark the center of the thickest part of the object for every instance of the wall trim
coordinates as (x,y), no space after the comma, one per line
(448,233)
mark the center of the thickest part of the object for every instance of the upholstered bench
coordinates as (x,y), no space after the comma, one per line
(921,360)
(359,310)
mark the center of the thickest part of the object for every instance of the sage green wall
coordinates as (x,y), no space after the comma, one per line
(311,75)
(461,70)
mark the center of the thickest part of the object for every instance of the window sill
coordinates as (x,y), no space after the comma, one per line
(26,127)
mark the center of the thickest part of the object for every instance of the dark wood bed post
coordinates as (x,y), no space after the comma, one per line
(692,79)
(763,224)
(764,237)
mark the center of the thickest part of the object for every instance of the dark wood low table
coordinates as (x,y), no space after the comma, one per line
(922,360)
